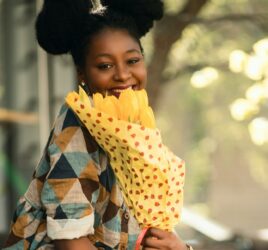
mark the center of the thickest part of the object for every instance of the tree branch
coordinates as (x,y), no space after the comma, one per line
(167,32)
(231,17)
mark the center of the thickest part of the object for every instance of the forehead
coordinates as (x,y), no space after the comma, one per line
(111,41)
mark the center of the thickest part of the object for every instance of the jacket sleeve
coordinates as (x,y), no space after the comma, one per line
(72,184)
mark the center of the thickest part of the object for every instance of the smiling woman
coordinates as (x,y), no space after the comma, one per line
(114,62)
(74,201)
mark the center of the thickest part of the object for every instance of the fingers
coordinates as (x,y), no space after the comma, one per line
(155,243)
(158,233)
(159,239)
(150,242)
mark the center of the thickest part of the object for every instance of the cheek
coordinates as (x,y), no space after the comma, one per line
(97,81)
(142,75)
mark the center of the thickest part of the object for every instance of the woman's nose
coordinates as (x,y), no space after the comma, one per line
(122,74)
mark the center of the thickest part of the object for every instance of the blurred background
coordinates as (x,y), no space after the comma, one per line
(208,69)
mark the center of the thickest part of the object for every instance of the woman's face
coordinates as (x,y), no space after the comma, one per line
(114,62)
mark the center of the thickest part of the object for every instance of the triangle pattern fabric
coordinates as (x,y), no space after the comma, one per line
(91,144)
(107,178)
(78,141)
(12,238)
(90,172)
(65,137)
(60,214)
(33,192)
(48,195)
(62,169)
(75,194)
(89,187)
(61,187)
(63,109)
(30,239)
(20,210)
(54,155)
(43,168)
(77,210)
(70,120)
(79,160)
(42,178)
(59,124)
(18,245)
(110,212)
(17,228)
(116,196)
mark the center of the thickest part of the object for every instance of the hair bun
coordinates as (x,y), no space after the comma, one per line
(144,12)
(57,24)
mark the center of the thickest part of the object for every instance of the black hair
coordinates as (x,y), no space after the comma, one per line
(66,26)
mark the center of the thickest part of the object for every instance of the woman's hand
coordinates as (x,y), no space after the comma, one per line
(159,239)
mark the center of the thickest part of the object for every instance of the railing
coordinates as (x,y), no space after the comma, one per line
(208,234)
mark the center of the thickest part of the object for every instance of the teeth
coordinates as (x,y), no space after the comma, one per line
(120,90)
(117,90)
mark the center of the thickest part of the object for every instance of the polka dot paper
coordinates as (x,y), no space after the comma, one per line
(150,176)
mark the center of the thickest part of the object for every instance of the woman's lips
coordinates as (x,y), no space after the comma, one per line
(117,91)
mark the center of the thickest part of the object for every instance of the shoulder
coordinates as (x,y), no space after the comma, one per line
(65,119)
(68,129)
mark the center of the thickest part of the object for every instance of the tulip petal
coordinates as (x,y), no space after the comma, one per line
(98,100)
(116,104)
(147,117)
(109,107)
(129,105)
(84,98)
(142,98)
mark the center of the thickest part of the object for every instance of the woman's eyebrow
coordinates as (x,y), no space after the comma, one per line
(103,55)
(127,52)
(133,50)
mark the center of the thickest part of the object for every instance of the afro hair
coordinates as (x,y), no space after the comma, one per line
(64,26)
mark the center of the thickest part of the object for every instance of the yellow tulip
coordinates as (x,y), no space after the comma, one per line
(98,100)
(84,98)
(132,106)
(116,104)
(147,117)
(142,98)
(109,106)
(129,106)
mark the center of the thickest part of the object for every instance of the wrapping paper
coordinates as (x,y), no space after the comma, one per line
(150,176)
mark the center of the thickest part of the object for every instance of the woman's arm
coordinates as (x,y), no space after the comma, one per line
(72,178)
(159,239)
(82,243)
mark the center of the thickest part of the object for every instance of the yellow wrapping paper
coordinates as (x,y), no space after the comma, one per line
(150,176)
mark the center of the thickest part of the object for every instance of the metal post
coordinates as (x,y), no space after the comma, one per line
(43,91)
(7,18)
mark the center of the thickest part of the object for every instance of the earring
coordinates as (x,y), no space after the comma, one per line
(85,87)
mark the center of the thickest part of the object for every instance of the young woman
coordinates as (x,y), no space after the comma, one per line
(73,201)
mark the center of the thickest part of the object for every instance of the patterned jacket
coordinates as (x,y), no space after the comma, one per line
(73,193)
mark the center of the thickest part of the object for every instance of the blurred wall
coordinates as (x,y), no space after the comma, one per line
(21,99)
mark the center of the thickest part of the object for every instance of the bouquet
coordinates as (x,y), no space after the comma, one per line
(150,176)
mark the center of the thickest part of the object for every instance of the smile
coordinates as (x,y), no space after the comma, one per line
(116,91)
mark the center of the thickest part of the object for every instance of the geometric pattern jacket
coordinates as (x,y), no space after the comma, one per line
(73,193)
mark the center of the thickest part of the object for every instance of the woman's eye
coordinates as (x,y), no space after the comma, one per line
(104,66)
(133,61)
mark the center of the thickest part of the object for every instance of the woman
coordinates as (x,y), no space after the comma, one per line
(73,201)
